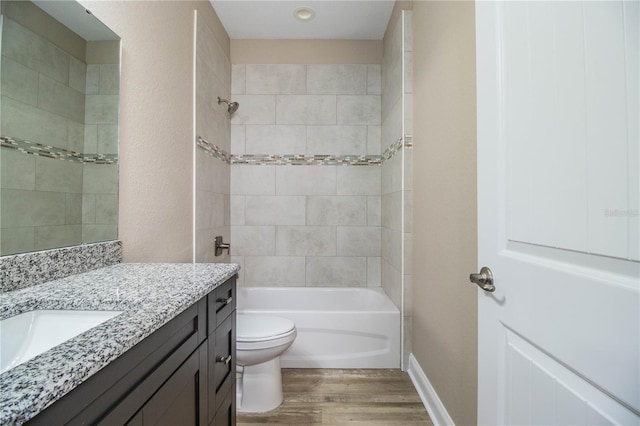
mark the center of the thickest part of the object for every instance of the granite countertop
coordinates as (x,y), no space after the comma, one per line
(149,294)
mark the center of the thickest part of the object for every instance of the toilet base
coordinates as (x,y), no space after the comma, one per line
(260,387)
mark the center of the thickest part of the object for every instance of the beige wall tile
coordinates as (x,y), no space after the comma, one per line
(60,99)
(238,137)
(274,210)
(358,241)
(237,209)
(88,208)
(101,109)
(305,180)
(109,79)
(374,210)
(108,138)
(270,139)
(95,233)
(19,82)
(47,237)
(374,82)
(337,271)
(392,211)
(306,241)
(212,120)
(106,209)
(75,136)
(57,175)
(204,171)
(100,178)
(374,140)
(392,125)
(17,240)
(253,240)
(221,177)
(18,121)
(31,208)
(391,247)
(337,140)
(359,109)
(344,79)
(73,206)
(18,170)
(238,79)
(78,75)
(392,93)
(41,56)
(336,210)
(374,272)
(210,51)
(306,109)
(391,172)
(92,82)
(274,271)
(255,109)
(265,79)
(90,138)
(358,180)
(392,283)
(253,180)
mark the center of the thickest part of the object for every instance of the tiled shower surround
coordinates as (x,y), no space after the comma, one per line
(213,72)
(59,125)
(396,172)
(316,224)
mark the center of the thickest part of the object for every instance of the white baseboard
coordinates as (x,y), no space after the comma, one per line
(435,407)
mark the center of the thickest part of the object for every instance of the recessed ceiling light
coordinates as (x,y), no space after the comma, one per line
(304,13)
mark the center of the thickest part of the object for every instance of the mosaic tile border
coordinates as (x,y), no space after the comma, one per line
(28,269)
(48,151)
(213,150)
(303,159)
(307,160)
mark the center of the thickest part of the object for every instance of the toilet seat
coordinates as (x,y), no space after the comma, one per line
(261,328)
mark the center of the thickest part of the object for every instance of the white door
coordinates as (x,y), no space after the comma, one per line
(558,191)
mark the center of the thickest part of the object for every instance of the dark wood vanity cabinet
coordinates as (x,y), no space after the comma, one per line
(182,374)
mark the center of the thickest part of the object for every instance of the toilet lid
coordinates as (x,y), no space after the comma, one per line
(249,326)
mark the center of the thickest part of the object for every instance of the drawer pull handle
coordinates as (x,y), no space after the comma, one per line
(225,301)
(224,359)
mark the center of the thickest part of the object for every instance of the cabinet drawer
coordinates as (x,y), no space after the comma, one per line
(222,363)
(221,303)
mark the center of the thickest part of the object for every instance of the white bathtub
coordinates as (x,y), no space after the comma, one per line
(337,327)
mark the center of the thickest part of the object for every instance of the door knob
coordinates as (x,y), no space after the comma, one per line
(484,279)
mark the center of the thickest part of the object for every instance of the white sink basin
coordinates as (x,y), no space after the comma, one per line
(27,335)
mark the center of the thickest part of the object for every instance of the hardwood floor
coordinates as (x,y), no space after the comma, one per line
(338,397)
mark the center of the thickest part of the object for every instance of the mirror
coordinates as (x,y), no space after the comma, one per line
(60,72)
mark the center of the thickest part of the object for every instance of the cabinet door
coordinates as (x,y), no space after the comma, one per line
(181,400)
(226,415)
(222,363)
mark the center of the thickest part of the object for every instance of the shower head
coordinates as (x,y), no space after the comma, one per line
(231,106)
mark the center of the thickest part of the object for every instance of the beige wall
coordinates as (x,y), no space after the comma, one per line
(444,302)
(306,52)
(156,123)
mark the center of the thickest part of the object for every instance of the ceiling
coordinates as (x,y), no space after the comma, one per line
(75,17)
(346,19)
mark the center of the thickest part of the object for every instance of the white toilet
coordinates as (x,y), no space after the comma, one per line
(260,340)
